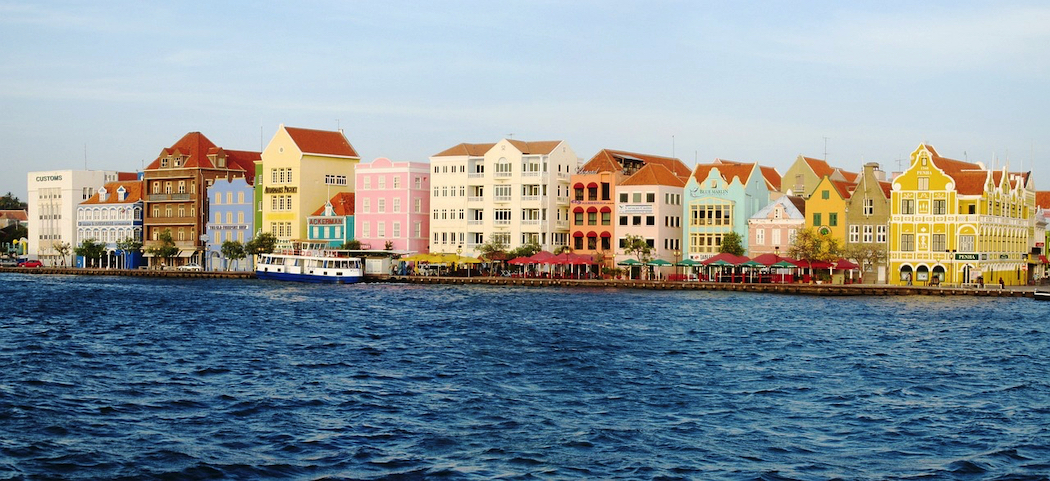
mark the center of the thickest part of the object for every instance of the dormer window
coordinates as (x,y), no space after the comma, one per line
(164,162)
(122,194)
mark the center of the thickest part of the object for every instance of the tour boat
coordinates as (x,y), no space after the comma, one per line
(307,261)
(1042,295)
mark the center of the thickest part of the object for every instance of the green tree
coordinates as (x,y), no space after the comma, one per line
(10,202)
(263,243)
(129,246)
(165,249)
(92,251)
(867,256)
(389,245)
(233,251)
(635,245)
(62,249)
(813,246)
(526,250)
(493,247)
(732,244)
(563,249)
(351,245)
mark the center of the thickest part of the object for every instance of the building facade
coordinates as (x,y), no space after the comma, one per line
(649,205)
(805,173)
(719,198)
(231,219)
(826,207)
(594,200)
(175,194)
(511,192)
(53,200)
(334,222)
(867,222)
(959,222)
(392,204)
(772,229)
(111,216)
(301,169)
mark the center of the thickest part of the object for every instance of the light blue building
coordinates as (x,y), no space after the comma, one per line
(719,198)
(230,218)
(334,222)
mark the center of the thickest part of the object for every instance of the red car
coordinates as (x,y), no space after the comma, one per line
(30,264)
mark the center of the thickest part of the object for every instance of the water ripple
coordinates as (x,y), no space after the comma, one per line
(213,379)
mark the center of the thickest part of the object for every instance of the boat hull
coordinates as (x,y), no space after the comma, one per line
(289,277)
(1042,296)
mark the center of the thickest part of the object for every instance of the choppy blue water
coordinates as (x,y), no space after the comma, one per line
(180,379)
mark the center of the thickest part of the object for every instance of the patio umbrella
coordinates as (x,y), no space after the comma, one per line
(659,263)
(629,262)
(417,257)
(688,263)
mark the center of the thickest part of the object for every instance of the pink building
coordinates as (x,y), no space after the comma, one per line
(772,229)
(392,205)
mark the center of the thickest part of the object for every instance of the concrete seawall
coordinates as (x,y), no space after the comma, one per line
(798,289)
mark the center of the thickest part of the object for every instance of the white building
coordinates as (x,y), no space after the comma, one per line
(53,200)
(649,205)
(513,191)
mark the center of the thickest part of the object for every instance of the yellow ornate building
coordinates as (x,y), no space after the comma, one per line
(959,222)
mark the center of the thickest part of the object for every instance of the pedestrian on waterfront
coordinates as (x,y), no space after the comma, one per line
(1002,284)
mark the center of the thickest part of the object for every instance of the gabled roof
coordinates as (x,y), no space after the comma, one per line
(845,189)
(541,148)
(819,167)
(322,142)
(727,168)
(1042,199)
(773,178)
(14,215)
(133,193)
(794,207)
(471,150)
(193,146)
(342,204)
(887,188)
(608,160)
(654,174)
(196,148)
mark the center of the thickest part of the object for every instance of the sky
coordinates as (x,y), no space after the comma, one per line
(106,85)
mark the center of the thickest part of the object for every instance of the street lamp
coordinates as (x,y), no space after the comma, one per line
(677,256)
(459,253)
(951,265)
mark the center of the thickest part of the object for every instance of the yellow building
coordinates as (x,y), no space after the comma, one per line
(959,222)
(301,169)
(826,207)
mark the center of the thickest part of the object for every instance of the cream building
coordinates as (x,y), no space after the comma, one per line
(300,170)
(53,200)
(513,191)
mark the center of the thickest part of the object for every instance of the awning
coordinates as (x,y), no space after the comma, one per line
(1042,260)
(578,185)
(606,234)
(180,254)
(577,234)
(592,234)
(592,185)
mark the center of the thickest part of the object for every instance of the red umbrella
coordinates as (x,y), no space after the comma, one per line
(844,264)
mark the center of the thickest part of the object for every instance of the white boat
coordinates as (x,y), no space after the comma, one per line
(1041,295)
(308,261)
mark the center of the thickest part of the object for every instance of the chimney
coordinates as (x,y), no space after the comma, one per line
(874,168)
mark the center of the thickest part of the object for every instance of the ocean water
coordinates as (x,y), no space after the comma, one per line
(131,378)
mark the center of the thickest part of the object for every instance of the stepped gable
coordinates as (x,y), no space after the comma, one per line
(470,150)
(133,193)
(654,174)
(342,204)
(194,146)
(322,142)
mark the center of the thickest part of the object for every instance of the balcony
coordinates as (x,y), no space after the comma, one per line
(186,220)
(502,223)
(476,198)
(563,199)
(475,222)
(502,198)
(502,175)
(476,175)
(168,197)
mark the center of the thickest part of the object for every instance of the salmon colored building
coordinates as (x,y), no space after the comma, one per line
(594,203)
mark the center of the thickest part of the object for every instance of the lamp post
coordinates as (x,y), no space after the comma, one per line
(459,252)
(776,253)
(951,265)
(677,256)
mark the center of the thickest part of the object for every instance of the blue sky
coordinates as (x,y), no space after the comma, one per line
(752,82)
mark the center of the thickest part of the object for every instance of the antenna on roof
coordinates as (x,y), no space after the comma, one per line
(899,164)
(510,135)
(825,149)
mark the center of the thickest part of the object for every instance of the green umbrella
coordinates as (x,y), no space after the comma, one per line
(752,263)
(629,262)
(722,263)
(784,264)
(659,262)
(688,263)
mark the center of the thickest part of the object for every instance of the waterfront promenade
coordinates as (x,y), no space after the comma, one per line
(792,288)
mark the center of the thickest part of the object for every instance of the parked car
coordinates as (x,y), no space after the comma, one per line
(8,262)
(30,264)
(190,267)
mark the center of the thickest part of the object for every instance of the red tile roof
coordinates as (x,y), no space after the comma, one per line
(772,177)
(471,150)
(322,142)
(542,147)
(1042,199)
(819,167)
(654,174)
(342,204)
(887,188)
(845,189)
(133,189)
(727,168)
(608,160)
(194,146)
(14,215)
